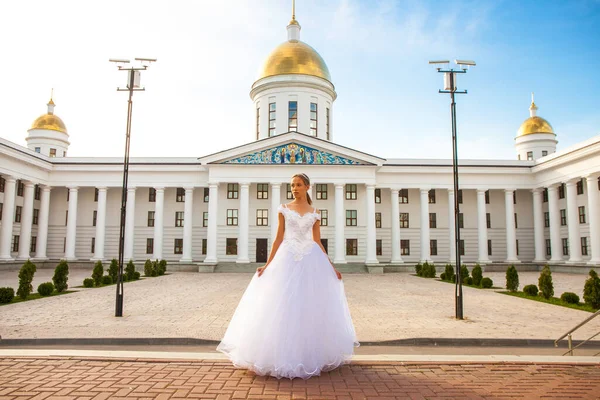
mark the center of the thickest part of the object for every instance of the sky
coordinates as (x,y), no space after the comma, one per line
(210,52)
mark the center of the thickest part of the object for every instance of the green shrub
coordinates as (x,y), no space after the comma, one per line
(477,275)
(25,278)
(46,289)
(155,268)
(418,269)
(449,271)
(88,282)
(464,272)
(61,276)
(443,276)
(512,279)
(148,268)
(136,276)
(107,280)
(97,273)
(545,283)
(130,270)
(486,283)
(468,280)
(113,269)
(162,267)
(7,294)
(428,270)
(530,290)
(569,297)
(591,290)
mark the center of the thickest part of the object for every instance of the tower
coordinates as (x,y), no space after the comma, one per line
(535,138)
(48,134)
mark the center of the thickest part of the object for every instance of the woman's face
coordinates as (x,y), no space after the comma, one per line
(298,187)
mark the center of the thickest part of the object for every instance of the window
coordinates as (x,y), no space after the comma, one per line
(180,195)
(313,119)
(561,191)
(515,197)
(52,152)
(432,196)
(150,218)
(33,245)
(178,219)
(327,123)
(1,209)
(204,246)
(149,246)
(3,184)
(516,221)
(257,122)
(460,196)
(288,192)
(231,246)
(233,190)
(404,220)
(547,219)
(403,196)
(38,149)
(15,243)
(565,246)
(96,195)
(93,247)
(68,194)
(205,219)
(378,196)
(66,217)
(488,220)
(232,217)
(377,220)
(262,191)
(262,217)
(461,220)
(151,195)
(350,191)
(517,246)
(580,186)
(432,220)
(351,247)
(178,246)
(272,116)
(321,191)
(38,192)
(433,247)
(404,247)
(18,211)
(292,116)
(461,247)
(351,218)
(378,247)
(529,155)
(545,195)
(563,217)
(20,188)
(206,194)
(548,247)
(64,153)
(64,244)
(584,246)
(94,217)
(487,197)
(544,153)
(489,247)
(36,216)
(324,219)
(582,214)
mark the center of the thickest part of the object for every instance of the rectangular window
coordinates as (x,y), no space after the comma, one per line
(516,223)
(324,219)
(489,247)
(96,195)
(582,214)
(151,195)
(15,243)
(68,194)
(18,212)
(178,246)
(460,196)
(205,219)
(3,184)
(561,191)
(545,195)
(232,217)
(38,192)
(403,196)
(262,217)
(288,192)
(231,246)
(64,245)
(432,220)
(36,216)
(565,246)
(546,219)
(378,247)
(487,197)
(233,190)
(93,247)
(150,218)
(293,116)
(204,246)
(206,194)
(563,217)
(377,220)
(378,196)
(517,246)
(544,153)
(33,245)
(327,124)
(488,220)
(52,152)
(432,196)
(272,118)
(461,247)
(351,247)
(433,247)
(20,188)
(94,217)
(404,223)
(548,247)
(38,149)
(529,155)
(313,119)
(584,246)
(515,197)
(149,246)
(404,247)
(257,122)
(262,191)
(178,219)
(351,217)
(321,191)
(350,191)
(461,220)
(180,195)
(580,186)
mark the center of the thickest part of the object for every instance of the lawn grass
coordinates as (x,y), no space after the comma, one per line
(35,296)
(552,300)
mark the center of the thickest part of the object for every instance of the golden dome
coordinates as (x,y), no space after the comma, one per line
(295,57)
(535,125)
(51,122)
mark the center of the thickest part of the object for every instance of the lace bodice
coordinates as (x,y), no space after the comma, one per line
(298,230)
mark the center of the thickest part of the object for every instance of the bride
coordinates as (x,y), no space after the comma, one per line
(293,319)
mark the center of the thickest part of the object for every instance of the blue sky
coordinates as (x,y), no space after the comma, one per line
(209,53)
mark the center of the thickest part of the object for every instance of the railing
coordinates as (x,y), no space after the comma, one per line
(569,335)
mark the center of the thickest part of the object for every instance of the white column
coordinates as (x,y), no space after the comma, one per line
(159,222)
(396,256)
(554,223)
(211,231)
(451,232)
(511,234)
(100,224)
(425,256)
(8,215)
(275,202)
(243,224)
(187,225)
(26,221)
(593,211)
(371,231)
(482,227)
(538,226)
(340,253)
(42,234)
(129,225)
(573,222)
(72,224)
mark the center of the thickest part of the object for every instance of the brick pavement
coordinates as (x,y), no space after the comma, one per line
(114,378)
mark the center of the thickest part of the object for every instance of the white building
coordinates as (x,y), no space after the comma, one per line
(221,208)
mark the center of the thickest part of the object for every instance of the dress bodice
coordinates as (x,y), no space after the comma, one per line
(298,230)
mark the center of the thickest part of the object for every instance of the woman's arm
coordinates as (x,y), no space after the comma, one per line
(276,243)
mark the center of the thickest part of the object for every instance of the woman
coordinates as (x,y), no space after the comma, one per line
(293,319)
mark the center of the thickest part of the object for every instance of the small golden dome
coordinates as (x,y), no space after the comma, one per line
(51,122)
(535,125)
(294,57)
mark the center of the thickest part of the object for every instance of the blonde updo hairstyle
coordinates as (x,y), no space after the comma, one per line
(306,181)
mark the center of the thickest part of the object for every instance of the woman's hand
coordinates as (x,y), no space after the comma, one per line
(338,273)
(260,270)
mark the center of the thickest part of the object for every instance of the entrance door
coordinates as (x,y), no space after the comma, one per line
(261,250)
(324,243)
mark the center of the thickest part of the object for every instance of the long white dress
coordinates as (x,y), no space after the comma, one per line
(293,321)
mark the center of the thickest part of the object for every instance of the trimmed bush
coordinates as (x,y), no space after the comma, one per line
(130,270)
(136,276)
(7,294)
(569,297)
(46,289)
(449,272)
(148,268)
(512,279)
(443,276)
(97,273)
(61,276)
(155,268)
(428,270)
(25,278)
(464,272)
(486,283)
(418,269)
(545,283)
(88,282)
(162,267)
(468,280)
(107,280)
(530,290)
(477,275)
(113,269)
(591,290)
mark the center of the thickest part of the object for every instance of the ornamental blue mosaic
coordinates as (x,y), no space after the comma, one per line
(292,153)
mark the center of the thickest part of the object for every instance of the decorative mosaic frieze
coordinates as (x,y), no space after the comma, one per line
(292,153)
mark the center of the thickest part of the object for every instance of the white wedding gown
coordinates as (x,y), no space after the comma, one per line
(293,321)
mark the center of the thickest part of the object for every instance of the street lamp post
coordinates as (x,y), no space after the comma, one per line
(133,85)
(450,87)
